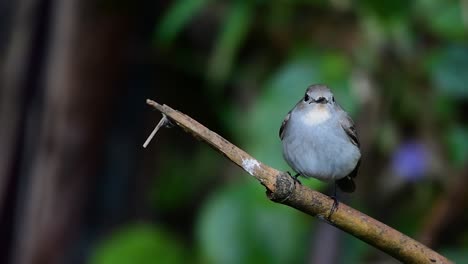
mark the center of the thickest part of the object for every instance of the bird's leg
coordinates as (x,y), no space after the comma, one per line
(335,202)
(295,177)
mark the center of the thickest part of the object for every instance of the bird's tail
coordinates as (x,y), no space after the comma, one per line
(346,184)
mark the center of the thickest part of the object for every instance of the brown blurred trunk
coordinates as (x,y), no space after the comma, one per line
(16,76)
(81,76)
(13,73)
(447,212)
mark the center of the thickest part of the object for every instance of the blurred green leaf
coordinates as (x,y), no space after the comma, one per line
(173,188)
(448,70)
(458,145)
(387,137)
(334,67)
(280,14)
(445,108)
(239,225)
(443,17)
(353,249)
(176,18)
(457,255)
(140,244)
(387,9)
(403,37)
(232,35)
(374,37)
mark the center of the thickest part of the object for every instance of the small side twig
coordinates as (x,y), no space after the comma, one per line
(281,189)
(163,122)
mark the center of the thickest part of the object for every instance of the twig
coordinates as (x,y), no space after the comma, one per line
(161,123)
(281,188)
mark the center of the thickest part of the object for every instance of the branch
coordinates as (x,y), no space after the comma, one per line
(281,188)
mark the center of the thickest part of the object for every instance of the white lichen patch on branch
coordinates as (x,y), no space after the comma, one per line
(250,165)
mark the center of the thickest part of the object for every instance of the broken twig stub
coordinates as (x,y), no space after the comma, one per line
(163,122)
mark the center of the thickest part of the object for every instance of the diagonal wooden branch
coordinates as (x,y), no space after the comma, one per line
(282,188)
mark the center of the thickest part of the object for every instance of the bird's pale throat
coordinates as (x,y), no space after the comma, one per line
(316,116)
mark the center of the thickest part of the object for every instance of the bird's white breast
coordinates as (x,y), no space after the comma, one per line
(316,116)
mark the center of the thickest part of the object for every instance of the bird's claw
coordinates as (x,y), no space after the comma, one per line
(295,177)
(334,206)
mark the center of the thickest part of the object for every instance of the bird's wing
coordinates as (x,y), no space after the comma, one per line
(348,126)
(347,184)
(284,124)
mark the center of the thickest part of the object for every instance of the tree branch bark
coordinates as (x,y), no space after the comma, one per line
(281,188)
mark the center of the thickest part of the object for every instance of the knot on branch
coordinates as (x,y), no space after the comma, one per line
(284,187)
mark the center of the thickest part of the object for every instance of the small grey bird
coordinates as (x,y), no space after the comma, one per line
(320,140)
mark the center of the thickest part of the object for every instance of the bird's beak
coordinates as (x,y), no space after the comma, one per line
(321,100)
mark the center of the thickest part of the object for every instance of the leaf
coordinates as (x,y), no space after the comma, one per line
(458,145)
(239,225)
(442,17)
(353,250)
(233,33)
(448,70)
(387,9)
(457,255)
(176,18)
(174,188)
(445,108)
(141,244)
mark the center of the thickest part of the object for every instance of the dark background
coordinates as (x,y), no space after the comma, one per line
(76,186)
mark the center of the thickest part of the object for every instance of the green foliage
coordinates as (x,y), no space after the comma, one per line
(458,145)
(444,18)
(448,70)
(353,249)
(176,18)
(142,244)
(445,108)
(387,9)
(182,176)
(238,225)
(232,35)
(456,255)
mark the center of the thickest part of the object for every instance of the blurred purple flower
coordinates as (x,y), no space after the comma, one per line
(410,161)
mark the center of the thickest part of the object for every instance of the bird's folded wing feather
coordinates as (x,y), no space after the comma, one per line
(283,125)
(348,126)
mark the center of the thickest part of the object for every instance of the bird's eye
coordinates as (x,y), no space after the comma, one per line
(306,97)
(333,99)
(320,100)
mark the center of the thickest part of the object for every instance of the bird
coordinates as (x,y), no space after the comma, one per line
(319,140)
